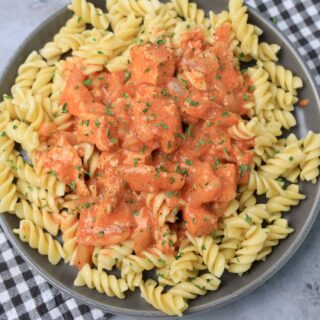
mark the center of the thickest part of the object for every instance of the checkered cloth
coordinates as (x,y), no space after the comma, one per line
(26,295)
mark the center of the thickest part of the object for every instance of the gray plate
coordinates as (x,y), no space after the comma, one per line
(232,287)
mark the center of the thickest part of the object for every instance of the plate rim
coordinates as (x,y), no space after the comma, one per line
(237,294)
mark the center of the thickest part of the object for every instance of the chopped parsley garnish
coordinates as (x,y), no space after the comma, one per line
(171,180)
(291,158)
(248,219)
(251,88)
(188,130)
(200,143)
(124,95)
(222,67)
(84,123)
(179,255)
(160,42)
(136,213)
(72,185)
(5,96)
(274,20)
(189,162)
(108,110)
(183,171)
(216,163)
(100,52)
(180,135)
(165,92)
(52,173)
(246,97)
(64,108)
(193,103)
(87,82)
(97,123)
(209,123)
(184,82)
(225,114)
(135,161)
(127,76)
(162,125)
(2,134)
(218,76)
(143,149)
(148,105)
(101,233)
(243,169)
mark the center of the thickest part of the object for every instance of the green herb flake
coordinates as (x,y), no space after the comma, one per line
(165,92)
(180,135)
(127,76)
(200,143)
(124,95)
(218,76)
(143,149)
(87,82)
(251,88)
(274,20)
(5,96)
(101,233)
(246,97)
(108,110)
(291,158)
(189,162)
(72,185)
(162,125)
(188,130)
(248,219)
(84,123)
(136,161)
(52,173)
(64,108)
(243,169)
(216,163)
(171,180)
(225,114)
(100,52)
(193,103)
(136,213)
(2,134)
(160,42)
(97,123)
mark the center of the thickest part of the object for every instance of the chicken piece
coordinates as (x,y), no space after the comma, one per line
(152,64)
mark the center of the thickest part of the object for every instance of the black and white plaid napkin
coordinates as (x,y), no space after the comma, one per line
(24,294)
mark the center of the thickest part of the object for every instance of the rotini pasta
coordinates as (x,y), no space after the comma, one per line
(101,281)
(38,239)
(150,145)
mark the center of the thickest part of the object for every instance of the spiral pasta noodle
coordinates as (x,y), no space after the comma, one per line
(249,249)
(166,302)
(213,259)
(192,185)
(38,239)
(310,166)
(8,191)
(89,14)
(101,281)
(40,217)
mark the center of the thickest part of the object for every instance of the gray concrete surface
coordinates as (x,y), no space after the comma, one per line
(293,294)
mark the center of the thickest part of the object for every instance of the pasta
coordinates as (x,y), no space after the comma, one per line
(38,239)
(102,282)
(167,302)
(148,145)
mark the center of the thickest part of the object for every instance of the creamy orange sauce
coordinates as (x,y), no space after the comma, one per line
(161,126)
